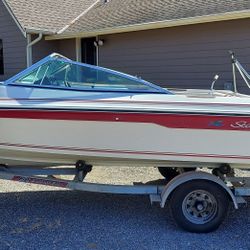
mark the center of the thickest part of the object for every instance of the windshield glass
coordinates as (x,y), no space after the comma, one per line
(63,73)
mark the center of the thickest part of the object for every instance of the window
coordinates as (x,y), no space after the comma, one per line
(60,73)
(44,75)
(1,58)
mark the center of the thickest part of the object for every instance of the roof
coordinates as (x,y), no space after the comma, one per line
(47,15)
(71,18)
(122,13)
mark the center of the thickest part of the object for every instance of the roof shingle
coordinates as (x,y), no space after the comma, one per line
(117,13)
(47,15)
(67,17)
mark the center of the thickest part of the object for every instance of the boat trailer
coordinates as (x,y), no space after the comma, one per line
(199,200)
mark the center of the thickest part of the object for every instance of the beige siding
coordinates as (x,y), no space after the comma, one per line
(14,44)
(185,57)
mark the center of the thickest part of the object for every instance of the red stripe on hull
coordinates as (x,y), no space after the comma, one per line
(187,121)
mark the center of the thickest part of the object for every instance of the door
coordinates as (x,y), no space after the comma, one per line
(88,50)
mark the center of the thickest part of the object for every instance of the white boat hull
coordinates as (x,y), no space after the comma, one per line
(58,142)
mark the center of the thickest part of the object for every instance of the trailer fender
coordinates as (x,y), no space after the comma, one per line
(190,176)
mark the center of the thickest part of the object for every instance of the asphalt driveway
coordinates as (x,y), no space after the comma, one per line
(37,217)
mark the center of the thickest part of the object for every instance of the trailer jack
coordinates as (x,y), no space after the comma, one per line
(82,169)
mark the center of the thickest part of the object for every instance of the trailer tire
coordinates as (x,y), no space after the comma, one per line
(199,206)
(169,172)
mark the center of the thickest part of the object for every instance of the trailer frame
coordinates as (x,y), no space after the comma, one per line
(235,188)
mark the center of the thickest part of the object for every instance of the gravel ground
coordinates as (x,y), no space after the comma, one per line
(34,217)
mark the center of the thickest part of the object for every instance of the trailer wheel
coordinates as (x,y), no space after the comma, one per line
(199,206)
(170,173)
(167,172)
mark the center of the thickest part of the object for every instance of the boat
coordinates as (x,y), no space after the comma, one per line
(59,111)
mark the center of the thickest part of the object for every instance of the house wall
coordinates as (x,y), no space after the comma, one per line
(67,48)
(14,44)
(183,57)
(43,48)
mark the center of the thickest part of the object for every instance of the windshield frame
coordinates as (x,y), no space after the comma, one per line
(13,80)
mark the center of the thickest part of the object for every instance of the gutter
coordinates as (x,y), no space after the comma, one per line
(155,25)
(37,31)
(29,47)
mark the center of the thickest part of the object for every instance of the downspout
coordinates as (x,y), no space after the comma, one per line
(29,47)
(97,51)
(97,55)
(98,44)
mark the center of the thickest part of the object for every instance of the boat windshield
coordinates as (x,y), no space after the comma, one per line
(63,73)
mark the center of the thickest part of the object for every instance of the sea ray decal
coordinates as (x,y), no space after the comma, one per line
(216,124)
(241,124)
